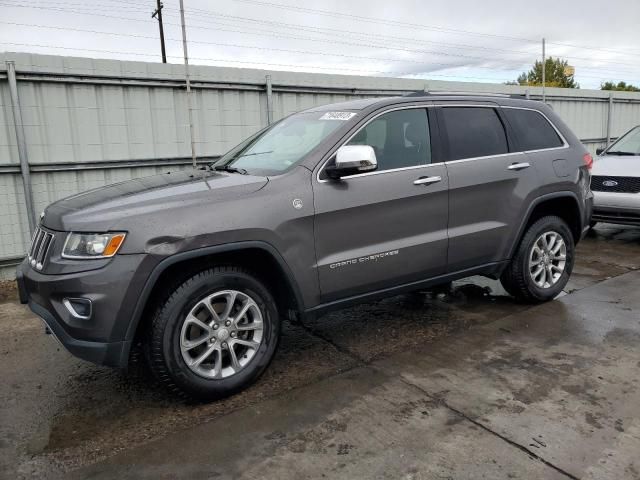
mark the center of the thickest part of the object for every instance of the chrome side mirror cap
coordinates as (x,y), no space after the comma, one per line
(351,160)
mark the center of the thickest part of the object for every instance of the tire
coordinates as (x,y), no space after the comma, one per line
(520,281)
(183,320)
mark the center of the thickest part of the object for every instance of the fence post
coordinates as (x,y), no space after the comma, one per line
(22,144)
(609,118)
(269,100)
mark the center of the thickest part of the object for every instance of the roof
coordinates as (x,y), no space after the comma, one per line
(366,103)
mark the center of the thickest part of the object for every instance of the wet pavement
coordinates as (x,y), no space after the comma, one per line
(460,384)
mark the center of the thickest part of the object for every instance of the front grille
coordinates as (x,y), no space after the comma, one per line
(615,184)
(39,248)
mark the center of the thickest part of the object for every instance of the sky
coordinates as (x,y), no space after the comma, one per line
(490,41)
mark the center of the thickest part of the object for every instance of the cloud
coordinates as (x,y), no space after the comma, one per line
(459,40)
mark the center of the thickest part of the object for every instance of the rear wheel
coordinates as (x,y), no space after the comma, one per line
(214,335)
(543,262)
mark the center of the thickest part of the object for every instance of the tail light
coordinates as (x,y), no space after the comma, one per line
(588,160)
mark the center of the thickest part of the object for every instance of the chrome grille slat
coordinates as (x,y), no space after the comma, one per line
(36,242)
(40,245)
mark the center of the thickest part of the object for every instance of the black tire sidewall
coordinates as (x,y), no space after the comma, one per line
(175,311)
(546,224)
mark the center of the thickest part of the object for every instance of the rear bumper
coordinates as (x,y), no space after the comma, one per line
(100,338)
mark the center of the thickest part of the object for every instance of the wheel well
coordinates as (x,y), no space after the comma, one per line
(256,260)
(563,207)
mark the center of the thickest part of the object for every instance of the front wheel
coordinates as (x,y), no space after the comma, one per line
(543,261)
(214,335)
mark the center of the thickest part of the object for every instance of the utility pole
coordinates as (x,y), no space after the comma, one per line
(544,68)
(158,13)
(186,74)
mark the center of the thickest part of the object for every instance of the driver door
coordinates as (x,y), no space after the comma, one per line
(385,228)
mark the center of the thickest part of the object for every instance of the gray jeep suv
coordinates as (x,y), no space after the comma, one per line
(333,205)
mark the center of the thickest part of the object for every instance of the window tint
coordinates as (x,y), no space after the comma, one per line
(400,138)
(534,132)
(473,132)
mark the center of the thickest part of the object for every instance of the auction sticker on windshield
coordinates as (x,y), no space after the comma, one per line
(338,116)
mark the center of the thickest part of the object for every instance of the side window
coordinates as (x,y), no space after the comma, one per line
(474,132)
(400,138)
(534,132)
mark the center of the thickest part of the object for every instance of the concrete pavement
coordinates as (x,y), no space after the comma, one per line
(59,414)
(551,392)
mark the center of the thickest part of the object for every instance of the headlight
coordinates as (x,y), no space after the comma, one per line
(92,245)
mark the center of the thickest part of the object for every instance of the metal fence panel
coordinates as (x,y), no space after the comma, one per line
(93,122)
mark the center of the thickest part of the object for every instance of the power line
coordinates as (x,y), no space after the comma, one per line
(333,14)
(409,24)
(332,31)
(257,47)
(383,21)
(92,13)
(331,40)
(405,39)
(257,62)
(385,46)
(447,66)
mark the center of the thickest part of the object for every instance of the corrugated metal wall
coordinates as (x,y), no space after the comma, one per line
(92,122)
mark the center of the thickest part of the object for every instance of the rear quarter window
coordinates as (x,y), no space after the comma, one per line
(533,131)
(474,132)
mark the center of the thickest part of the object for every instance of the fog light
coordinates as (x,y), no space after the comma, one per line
(78,307)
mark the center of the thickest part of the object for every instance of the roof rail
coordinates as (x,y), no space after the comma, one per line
(421,93)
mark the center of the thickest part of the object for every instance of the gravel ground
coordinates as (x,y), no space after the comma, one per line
(60,413)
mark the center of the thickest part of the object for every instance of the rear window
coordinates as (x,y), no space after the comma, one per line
(533,131)
(474,132)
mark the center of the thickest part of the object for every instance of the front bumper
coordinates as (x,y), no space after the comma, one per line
(113,291)
(621,208)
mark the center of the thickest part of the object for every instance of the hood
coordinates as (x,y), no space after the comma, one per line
(617,166)
(109,208)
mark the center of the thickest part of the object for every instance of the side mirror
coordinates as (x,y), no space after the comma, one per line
(352,159)
(600,150)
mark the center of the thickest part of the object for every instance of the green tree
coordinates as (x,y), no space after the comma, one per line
(556,74)
(620,86)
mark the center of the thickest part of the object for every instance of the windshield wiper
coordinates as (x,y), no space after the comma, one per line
(252,154)
(230,169)
(618,152)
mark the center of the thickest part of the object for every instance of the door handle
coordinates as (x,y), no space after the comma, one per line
(427,180)
(519,166)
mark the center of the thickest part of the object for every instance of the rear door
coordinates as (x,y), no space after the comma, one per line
(388,227)
(545,147)
(490,185)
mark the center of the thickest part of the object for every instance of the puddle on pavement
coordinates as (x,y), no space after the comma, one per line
(104,409)
(405,322)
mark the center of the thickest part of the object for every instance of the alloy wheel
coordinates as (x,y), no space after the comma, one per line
(548,259)
(221,334)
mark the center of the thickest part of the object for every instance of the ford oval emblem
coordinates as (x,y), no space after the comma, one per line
(609,183)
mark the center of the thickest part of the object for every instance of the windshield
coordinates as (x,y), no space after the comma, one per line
(276,148)
(629,144)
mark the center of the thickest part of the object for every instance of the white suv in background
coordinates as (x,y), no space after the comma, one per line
(615,181)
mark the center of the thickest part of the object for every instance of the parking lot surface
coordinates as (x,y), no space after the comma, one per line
(459,384)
